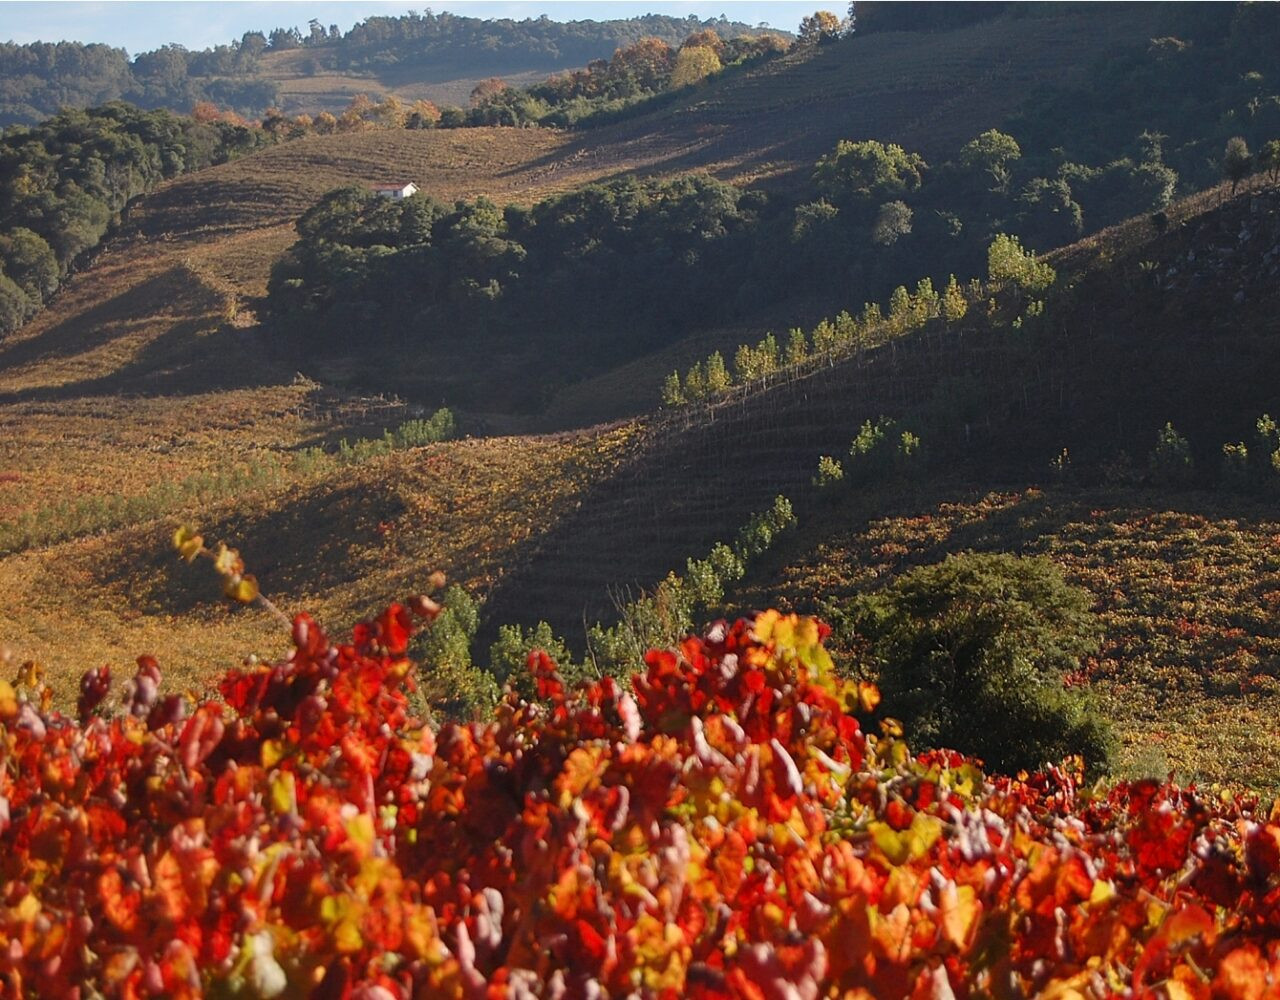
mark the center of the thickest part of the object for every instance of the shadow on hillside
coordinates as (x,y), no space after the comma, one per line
(102,323)
(313,541)
(196,352)
(190,358)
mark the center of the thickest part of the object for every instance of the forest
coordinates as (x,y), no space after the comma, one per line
(67,181)
(40,78)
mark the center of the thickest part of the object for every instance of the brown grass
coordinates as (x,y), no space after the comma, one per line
(341,549)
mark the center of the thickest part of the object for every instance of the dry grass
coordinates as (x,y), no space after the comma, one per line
(341,548)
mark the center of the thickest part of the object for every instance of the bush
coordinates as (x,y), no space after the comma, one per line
(971,654)
(1008,263)
(830,471)
(1170,462)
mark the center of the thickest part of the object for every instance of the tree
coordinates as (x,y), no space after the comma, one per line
(645,66)
(15,306)
(284,38)
(991,156)
(893,222)
(954,304)
(706,38)
(693,65)
(868,171)
(30,262)
(672,390)
(1269,159)
(1008,262)
(972,654)
(818,28)
(1236,161)
(1170,461)
(486,90)
(717,375)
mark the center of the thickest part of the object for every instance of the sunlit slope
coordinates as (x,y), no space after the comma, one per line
(341,546)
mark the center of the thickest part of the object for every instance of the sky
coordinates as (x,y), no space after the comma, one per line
(141,26)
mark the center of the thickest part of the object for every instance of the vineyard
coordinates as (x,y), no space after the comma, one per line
(727,830)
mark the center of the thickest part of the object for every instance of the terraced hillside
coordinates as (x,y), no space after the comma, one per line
(927,92)
(1118,353)
(146,393)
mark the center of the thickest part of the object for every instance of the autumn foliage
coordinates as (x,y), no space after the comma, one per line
(722,827)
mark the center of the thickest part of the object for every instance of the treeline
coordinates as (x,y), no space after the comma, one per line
(615,270)
(39,79)
(65,182)
(633,80)
(471,46)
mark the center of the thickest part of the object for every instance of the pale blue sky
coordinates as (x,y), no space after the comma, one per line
(141,26)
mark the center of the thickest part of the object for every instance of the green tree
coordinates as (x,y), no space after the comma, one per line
(450,684)
(972,654)
(672,390)
(893,221)
(1269,159)
(954,304)
(15,306)
(1008,262)
(991,156)
(797,346)
(1236,161)
(868,172)
(509,656)
(717,377)
(30,262)
(1170,461)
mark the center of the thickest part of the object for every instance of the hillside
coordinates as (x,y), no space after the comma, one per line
(1116,356)
(439,57)
(148,392)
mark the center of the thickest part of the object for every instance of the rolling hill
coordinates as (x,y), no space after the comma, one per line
(147,394)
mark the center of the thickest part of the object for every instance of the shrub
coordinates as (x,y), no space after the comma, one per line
(1235,465)
(830,471)
(1170,462)
(1008,263)
(971,654)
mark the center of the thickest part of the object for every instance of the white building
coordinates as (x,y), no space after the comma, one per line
(395,191)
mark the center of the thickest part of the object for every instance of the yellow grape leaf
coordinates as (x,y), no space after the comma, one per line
(891,728)
(188,543)
(342,914)
(284,797)
(243,589)
(959,910)
(868,696)
(29,675)
(272,752)
(900,846)
(8,701)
